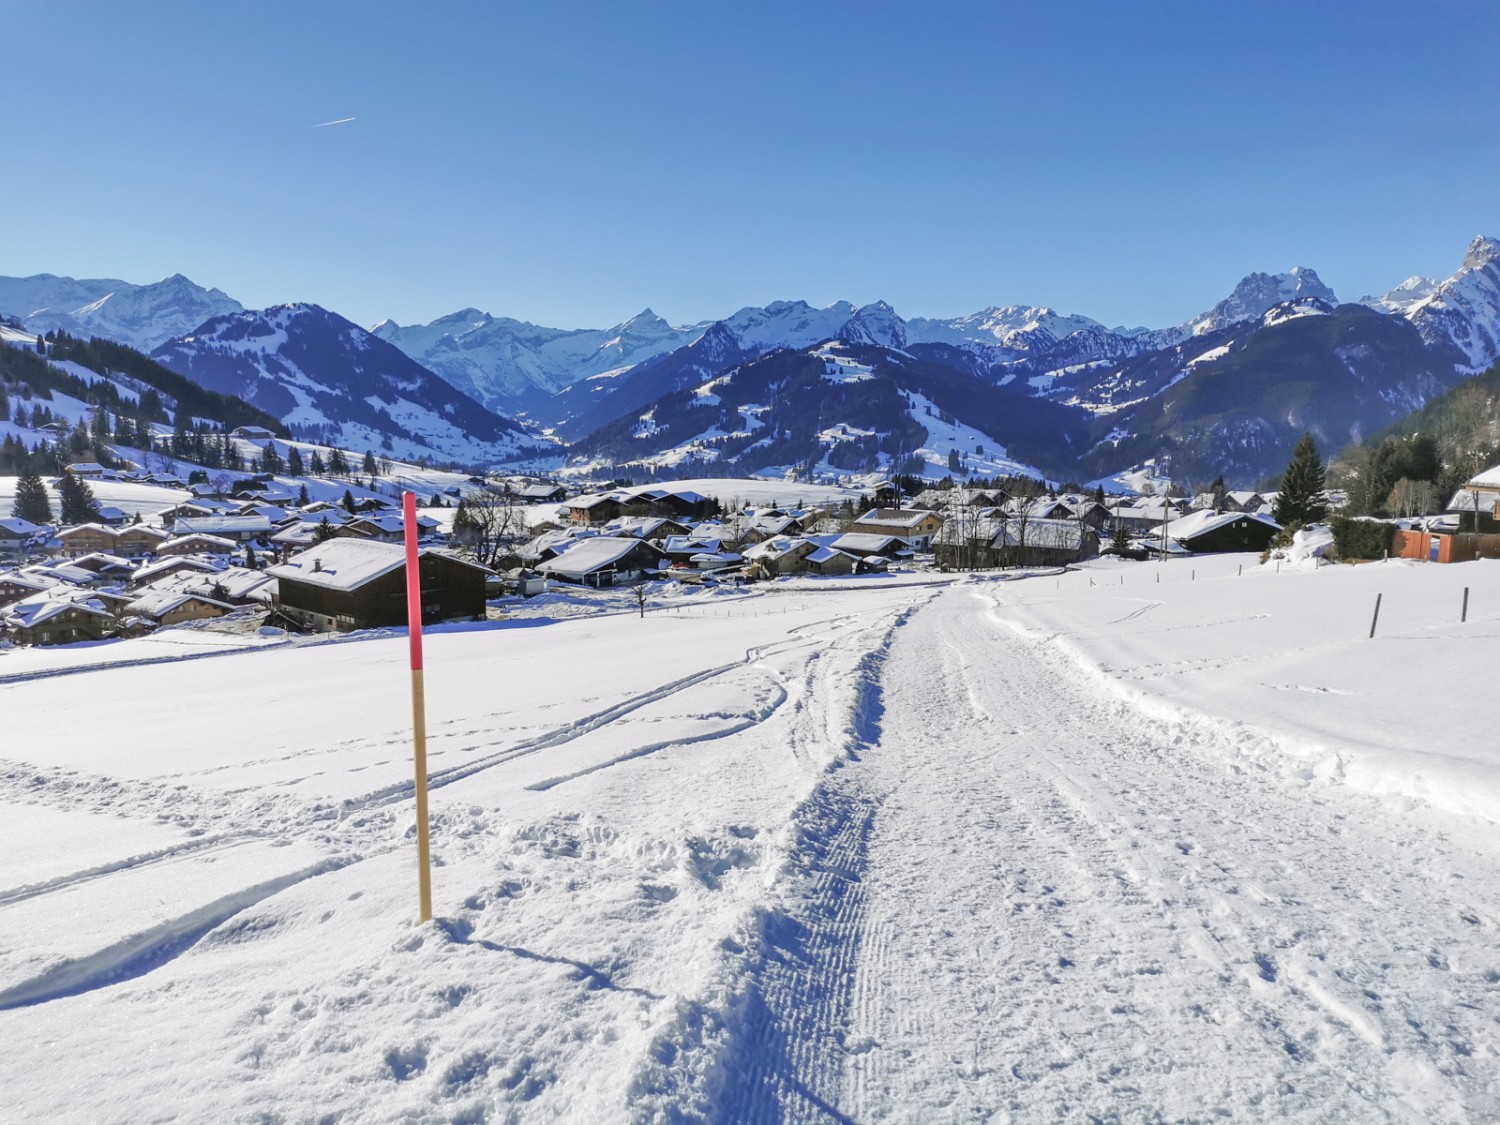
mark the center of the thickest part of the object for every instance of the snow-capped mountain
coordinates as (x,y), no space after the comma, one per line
(1463,311)
(875,324)
(330,380)
(1405,295)
(1257,294)
(787,324)
(512,364)
(749,333)
(1020,328)
(140,316)
(839,406)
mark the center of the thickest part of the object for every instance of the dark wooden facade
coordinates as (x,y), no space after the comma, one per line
(1243,534)
(451,591)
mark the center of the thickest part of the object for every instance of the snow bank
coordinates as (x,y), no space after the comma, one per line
(1281,665)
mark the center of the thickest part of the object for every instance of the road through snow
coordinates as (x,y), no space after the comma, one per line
(1025,898)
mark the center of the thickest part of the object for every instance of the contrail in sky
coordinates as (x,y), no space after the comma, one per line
(340,121)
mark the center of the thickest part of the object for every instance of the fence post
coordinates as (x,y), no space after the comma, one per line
(1376,617)
(1464,616)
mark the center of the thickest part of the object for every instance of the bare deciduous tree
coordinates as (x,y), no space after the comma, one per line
(489,525)
(1412,497)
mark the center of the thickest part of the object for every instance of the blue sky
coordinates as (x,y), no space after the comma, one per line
(573,163)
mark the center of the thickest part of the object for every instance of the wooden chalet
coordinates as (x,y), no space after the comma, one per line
(349,583)
(604,560)
(916,526)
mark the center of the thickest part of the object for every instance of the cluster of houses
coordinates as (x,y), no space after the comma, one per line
(621,536)
(321,566)
(194,560)
(330,568)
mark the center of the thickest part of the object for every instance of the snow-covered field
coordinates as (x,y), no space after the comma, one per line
(1094,845)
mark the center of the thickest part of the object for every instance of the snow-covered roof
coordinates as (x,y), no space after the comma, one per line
(316,514)
(865,543)
(62,572)
(1467,500)
(159,603)
(680,544)
(47,604)
(143,529)
(219,525)
(776,547)
(392,523)
(213,544)
(14,525)
(33,583)
(1057,535)
(639,527)
(905,518)
(537,490)
(1201,522)
(1490,478)
(347,563)
(823,554)
(171,565)
(343,563)
(589,555)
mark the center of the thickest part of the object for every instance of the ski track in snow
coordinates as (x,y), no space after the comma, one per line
(1022,897)
(1007,894)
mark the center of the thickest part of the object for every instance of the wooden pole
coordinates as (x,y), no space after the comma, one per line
(1376,617)
(1464,616)
(418,702)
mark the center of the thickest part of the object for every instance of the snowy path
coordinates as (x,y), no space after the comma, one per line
(879,856)
(1027,898)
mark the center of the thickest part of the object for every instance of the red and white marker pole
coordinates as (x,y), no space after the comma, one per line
(418,700)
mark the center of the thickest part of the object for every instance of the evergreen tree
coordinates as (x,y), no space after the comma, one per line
(76,500)
(465,526)
(318,468)
(294,465)
(303,499)
(1219,493)
(32,502)
(250,562)
(1301,499)
(270,459)
(1119,540)
(338,464)
(348,501)
(368,465)
(324,531)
